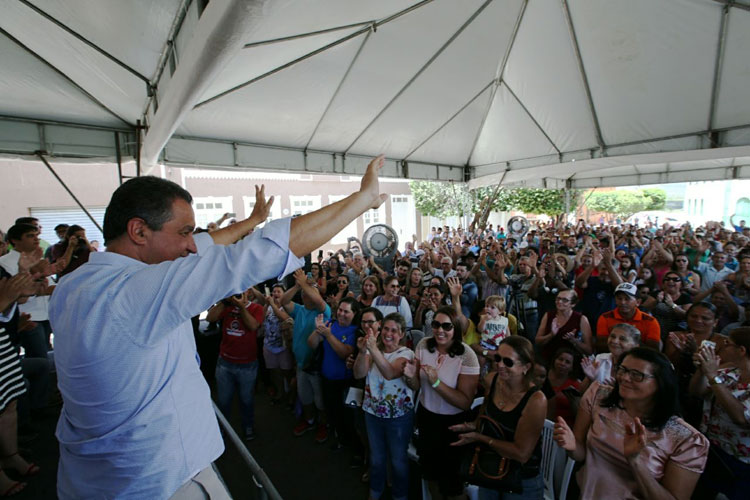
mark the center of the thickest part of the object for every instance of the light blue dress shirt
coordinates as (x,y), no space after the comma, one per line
(137,419)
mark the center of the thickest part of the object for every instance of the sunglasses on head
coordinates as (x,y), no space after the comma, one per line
(506,361)
(447,326)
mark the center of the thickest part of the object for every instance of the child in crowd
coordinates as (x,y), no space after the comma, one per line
(493,328)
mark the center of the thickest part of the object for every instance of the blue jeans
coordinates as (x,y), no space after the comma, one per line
(389,440)
(242,377)
(533,489)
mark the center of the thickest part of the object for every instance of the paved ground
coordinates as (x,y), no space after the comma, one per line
(298,467)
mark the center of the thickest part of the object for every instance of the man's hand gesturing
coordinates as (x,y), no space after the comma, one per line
(262,206)
(370,185)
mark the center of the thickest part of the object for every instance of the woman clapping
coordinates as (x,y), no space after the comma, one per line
(388,404)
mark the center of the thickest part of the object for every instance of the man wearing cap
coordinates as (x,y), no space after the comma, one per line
(626,311)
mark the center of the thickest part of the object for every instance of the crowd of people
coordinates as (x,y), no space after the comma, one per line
(632,340)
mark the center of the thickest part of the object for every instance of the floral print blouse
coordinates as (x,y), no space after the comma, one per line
(717,425)
(388,398)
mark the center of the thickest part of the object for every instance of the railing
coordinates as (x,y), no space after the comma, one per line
(266,489)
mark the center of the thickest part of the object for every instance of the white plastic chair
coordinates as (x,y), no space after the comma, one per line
(557,468)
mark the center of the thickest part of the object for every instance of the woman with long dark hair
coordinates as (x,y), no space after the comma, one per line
(519,407)
(629,435)
(447,371)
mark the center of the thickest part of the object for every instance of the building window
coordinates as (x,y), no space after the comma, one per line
(374,216)
(210,209)
(301,205)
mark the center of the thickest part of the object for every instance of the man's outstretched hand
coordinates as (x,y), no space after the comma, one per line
(370,185)
(262,205)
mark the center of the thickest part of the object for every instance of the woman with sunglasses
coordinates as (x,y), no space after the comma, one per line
(447,371)
(341,291)
(388,404)
(632,441)
(670,304)
(434,297)
(391,301)
(726,414)
(691,280)
(519,407)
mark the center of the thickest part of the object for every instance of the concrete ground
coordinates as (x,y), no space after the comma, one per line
(297,466)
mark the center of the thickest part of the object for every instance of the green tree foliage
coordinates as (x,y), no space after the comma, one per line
(625,203)
(440,199)
(657,198)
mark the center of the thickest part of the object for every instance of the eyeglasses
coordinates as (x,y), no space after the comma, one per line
(342,282)
(674,280)
(506,361)
(634,375)
(447,326)
(564,300)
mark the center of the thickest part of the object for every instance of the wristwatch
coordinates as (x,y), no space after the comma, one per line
(715,380)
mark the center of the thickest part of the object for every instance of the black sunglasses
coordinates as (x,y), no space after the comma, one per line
(447,326)
(506,361)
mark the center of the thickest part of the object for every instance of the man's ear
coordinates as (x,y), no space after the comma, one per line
(138,231)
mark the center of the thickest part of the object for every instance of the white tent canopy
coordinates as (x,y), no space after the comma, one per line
(548,93)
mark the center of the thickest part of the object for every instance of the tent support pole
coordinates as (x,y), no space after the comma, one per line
(85,40)
(538,125)
(62,183)
(498,78)
(338,89)
(441,127)
(717,71)
(138,139)
(65,77)
(118,155)
(419,73)
(582,70)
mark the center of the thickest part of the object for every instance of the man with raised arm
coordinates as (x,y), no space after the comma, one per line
(137,419)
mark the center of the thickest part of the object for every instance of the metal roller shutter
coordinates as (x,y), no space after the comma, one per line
(50,217)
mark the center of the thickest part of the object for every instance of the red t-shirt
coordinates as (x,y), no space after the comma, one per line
(239,344)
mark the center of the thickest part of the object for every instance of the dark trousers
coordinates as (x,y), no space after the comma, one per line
(334,392)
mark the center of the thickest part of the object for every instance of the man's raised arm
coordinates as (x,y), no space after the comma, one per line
(310,231)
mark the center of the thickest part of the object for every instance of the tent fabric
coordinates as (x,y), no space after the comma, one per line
(523,92)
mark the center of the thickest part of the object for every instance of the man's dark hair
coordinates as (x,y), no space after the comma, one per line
(60,227)
(148,198)
(17,231)
(27,220)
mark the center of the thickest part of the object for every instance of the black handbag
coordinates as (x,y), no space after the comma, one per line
(483,466)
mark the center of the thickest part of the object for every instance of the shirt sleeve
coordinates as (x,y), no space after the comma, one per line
(692,452)
(167,294)
(469,362)
(7,315)
(405,311)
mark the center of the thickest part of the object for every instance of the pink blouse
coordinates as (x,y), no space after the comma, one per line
(448,368)
(607,473)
